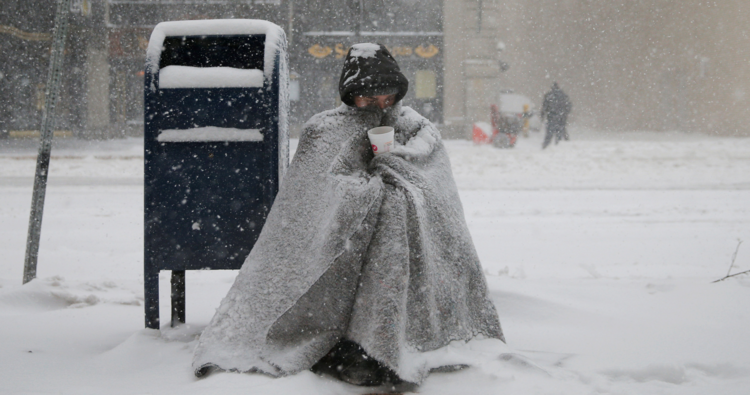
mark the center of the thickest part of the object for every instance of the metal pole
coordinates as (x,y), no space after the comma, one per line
(360,18)
(54,75)
(362,4)
(291,23)
(178,297)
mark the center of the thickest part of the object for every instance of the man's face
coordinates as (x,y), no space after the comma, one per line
(382,101)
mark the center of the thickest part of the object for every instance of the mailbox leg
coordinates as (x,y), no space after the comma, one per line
(178,297)
(151,298)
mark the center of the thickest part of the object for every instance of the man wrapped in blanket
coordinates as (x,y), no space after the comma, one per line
(365,269)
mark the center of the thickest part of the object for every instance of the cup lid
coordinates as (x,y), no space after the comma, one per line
(380,130)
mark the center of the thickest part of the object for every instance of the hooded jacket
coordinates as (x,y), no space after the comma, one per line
(370,70)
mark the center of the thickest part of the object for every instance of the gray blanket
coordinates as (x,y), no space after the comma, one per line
(373,249)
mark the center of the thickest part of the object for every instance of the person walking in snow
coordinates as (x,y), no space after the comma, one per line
(555,108)
(365,269)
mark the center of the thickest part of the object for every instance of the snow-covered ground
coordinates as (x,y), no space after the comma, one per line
(599,253)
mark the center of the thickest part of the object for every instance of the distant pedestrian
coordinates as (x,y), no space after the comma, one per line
(555,109)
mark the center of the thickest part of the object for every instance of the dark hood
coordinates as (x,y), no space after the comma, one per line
(369,70)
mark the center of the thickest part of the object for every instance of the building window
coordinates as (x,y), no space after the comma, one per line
(426,84)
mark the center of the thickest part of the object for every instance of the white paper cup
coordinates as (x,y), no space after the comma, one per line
(381,139)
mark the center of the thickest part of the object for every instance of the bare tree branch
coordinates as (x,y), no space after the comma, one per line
(732,265)
(726,277)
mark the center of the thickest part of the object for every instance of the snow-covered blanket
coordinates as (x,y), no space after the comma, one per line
(373,249)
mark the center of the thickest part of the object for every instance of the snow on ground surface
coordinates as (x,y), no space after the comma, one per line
(599,253)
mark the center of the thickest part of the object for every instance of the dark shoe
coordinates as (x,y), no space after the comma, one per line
(363,372)
(205,370)
(333,363)
(349,362)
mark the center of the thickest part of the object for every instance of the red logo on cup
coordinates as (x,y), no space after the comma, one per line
(375,148)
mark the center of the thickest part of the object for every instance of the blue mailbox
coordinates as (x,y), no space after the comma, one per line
(216,147)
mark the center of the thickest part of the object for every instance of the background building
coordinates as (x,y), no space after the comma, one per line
(103,95)
(637,65)
(102,91)
(323,31)
(472,63)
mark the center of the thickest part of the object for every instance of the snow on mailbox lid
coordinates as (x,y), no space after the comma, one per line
(178,76)
(219,53)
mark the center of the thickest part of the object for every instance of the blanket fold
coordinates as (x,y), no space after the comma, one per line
(373,249)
